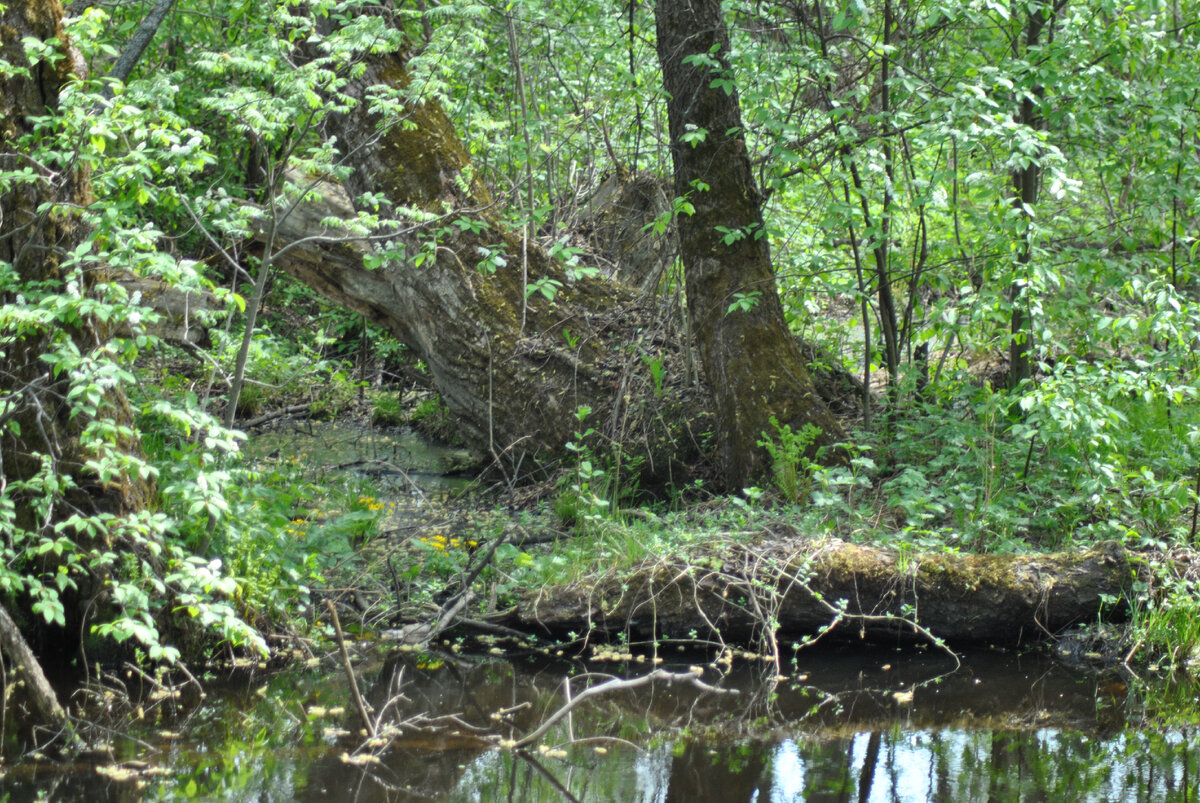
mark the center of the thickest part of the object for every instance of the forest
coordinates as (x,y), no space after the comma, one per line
(892,302)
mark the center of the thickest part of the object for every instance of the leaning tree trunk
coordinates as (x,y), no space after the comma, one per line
(513,370)
(514,367)
(754,366)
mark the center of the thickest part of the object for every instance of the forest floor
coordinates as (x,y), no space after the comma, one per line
(562,560)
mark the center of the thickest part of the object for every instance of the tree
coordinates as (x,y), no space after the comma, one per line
(69,456)
(517,339)
(754,366)
(1038,30)
(40,243)
(91,541)
(511,338)
(62,451)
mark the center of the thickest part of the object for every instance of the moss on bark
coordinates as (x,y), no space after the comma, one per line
(739,591)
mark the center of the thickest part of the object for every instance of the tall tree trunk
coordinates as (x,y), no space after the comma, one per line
(754,366)
(1027,181)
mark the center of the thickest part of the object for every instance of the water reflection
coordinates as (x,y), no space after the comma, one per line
(843,728)
(399,459)
(944,765)
(1003,728)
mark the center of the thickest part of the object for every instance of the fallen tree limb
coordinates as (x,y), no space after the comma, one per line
(795,586)
(364,714)
(265,418)
(608,687)
(45,702)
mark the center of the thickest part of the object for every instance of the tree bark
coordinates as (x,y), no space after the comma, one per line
(138,43)
(754,366)
(1027,181)
(513,371)
(800,587)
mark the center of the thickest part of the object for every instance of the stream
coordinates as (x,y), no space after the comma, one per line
(843,722)
(850,724)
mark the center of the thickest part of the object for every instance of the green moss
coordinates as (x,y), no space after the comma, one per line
(432,418)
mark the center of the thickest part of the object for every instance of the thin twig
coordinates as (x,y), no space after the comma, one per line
(691,678)
(872,619)
(358,699)
(545,773)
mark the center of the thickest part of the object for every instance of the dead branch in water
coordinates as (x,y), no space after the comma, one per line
(690,678)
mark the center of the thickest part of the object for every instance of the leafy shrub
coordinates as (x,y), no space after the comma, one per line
(791,467)
(387,410)
(431,417)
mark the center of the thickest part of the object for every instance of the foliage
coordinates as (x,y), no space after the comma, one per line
(791,466)
(387,410)
(151,577)
(195,565)
(1165,627)
(900,240)
(431,417)
(585,498)
(280,371)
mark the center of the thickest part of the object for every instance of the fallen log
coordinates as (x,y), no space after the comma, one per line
(795,587)
(181,312)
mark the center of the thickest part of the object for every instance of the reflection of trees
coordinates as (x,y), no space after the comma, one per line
(868,768)
(704,771)
(828,766)
(1003,765)
(963,738)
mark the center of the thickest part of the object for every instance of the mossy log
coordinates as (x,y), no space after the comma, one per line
(806,587)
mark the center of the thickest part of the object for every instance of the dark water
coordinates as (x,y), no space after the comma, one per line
(398,459)
(842,728)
